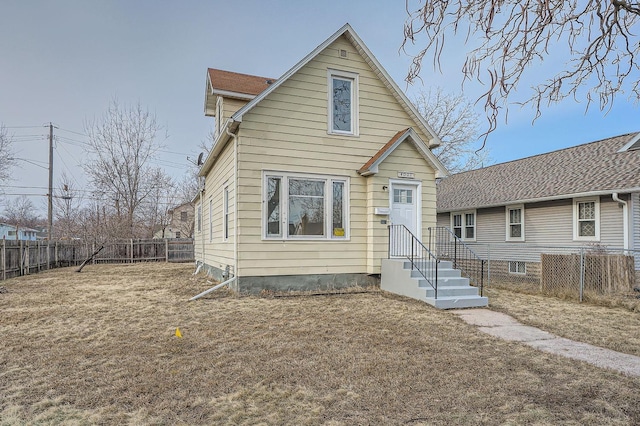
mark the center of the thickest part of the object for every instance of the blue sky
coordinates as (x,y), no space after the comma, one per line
(64,61)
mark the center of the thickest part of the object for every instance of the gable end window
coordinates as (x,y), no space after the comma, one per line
(463,225)
(586,219)
(302,207)
(343,103)
(515,223)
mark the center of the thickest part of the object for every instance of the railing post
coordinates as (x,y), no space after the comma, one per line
(435,287)
(429,244)
(4,259)
(481,277)
(455,253)
(388,244)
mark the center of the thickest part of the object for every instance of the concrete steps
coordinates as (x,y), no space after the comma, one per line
(454,291)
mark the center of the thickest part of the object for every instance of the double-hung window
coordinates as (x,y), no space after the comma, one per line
(298,206)
(343,103)
(515,223)
(586,219)
(463,225)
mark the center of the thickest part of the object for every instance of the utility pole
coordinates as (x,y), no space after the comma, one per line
(50,204)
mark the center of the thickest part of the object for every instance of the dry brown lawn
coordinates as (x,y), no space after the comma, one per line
(99,347)
(616,328)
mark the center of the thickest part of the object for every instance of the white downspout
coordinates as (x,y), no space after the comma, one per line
(625,219)
(235,196)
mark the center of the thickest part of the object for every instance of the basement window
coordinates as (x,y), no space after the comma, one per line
(517,268)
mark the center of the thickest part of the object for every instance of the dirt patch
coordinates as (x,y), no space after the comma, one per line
(100,347)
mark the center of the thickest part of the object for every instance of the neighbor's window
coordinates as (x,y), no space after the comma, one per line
(177,234)
(343,102)
(183,217)
(463,225)
(586,219)
(305,206)
(515,223)
(517,267)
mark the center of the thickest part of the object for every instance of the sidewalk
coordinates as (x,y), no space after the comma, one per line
(505,327)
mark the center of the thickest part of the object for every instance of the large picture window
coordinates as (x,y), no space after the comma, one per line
(343,102)
(586,219)
(299,206)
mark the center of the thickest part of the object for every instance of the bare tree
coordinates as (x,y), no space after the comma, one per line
(21,212)
(158,204)
(121,146)
(455,121)
(67,201)
(599,39)
(6,154)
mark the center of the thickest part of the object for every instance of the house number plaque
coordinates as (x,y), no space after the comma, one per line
(406,175)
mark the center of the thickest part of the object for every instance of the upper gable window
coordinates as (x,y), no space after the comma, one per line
(343,102)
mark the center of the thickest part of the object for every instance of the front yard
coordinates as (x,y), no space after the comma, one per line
(100,347)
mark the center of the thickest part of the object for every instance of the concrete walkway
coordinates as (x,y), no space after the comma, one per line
(505,327)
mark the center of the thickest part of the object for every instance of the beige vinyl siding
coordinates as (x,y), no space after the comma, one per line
(635,221)
(490,225)
(230,106)
(404,158)
(218,253)
(287,132)
(611,222)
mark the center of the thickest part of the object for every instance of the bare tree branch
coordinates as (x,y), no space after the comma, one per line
(455,121)
(6,154)
(508,38)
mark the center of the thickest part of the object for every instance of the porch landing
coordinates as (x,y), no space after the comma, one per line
(454,290)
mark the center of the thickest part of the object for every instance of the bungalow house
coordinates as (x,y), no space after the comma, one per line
(584,196)
(307,171)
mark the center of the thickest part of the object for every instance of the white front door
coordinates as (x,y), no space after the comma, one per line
(404,206)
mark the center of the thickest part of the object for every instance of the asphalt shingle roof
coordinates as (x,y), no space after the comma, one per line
(239,83)
(595,166)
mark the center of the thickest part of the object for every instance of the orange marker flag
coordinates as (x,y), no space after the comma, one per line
(178,334)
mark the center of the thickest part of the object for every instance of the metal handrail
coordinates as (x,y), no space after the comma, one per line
(463,256)
(402,243)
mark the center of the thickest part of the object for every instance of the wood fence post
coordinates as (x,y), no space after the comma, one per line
(131,250)
(55,253)
(93,250)
(166,249)
(48,254)
(25,247)
(38,255)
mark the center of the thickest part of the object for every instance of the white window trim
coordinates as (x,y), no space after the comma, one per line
(475,224)
(219,114)
(508,236)
(199,218)
(225,213)
(355,102)
(576,236)
(516,272)
(284,210)
(210,220)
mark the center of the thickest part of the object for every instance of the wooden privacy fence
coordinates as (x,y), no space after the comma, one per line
(592,273)
(19,258)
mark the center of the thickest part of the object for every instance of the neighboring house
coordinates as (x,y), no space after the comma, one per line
(306,172)
(587,195)
(181,223)
(9,232)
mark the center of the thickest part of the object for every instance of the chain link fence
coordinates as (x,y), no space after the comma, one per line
(591,272)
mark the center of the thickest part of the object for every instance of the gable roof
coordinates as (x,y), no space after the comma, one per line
(600,167)
(346,30)
(233,84)
(371,166)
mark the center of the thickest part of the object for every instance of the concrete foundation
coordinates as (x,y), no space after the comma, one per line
(279,283)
